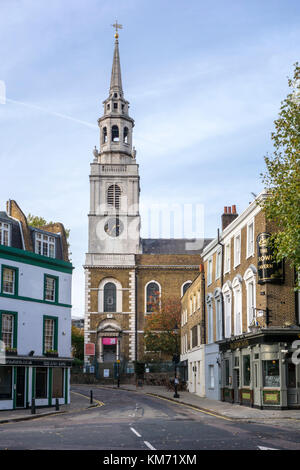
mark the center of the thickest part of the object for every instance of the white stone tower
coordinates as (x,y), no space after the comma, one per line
(114,220)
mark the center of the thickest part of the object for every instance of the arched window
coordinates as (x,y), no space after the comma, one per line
(237,304)
(113,196)
(218,308)
(250,281)
(185,287)
(110,297)
(227,296)
(115,134)
(210,319)
(152,296)
(104,135)
(125,135)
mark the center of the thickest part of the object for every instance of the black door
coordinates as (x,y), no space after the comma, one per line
(20,400)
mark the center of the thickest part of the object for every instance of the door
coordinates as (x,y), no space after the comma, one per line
(256,385)
(20,389)
(293,384)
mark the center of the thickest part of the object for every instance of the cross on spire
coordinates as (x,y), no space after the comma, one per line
(117,26)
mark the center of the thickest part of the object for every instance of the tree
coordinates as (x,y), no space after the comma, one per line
(77,343)
(282,178)
(158,331)
(36,221)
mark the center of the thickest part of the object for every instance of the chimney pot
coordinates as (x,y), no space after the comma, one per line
(229,210)
(225,210)
(234,209)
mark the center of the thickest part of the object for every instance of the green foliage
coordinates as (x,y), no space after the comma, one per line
(282,178)
(77,343)
(36,221)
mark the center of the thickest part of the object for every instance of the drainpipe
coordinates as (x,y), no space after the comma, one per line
(203,339)
(222,276)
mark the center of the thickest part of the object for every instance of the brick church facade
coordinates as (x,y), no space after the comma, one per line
(122,270)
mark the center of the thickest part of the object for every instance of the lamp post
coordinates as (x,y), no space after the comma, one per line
(175,359)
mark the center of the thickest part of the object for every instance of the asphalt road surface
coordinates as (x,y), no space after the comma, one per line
(133,421)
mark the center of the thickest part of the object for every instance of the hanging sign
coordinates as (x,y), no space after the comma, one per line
(268,269)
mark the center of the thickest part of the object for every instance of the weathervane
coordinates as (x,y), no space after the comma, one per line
(117,26)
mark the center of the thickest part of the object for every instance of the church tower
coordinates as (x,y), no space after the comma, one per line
(114,220)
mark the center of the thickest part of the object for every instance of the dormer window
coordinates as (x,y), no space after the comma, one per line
(4,233)
(45,245)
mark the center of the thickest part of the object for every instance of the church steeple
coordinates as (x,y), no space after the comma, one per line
(116,79)
(115,124)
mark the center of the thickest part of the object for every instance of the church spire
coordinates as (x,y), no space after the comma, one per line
(116,80)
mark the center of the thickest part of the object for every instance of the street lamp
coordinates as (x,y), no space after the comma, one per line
(176,360)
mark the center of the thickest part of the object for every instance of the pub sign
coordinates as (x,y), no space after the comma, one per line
(268,269)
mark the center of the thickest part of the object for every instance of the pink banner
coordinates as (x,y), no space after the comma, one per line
(109,341)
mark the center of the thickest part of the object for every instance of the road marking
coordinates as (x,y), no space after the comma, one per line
(135,432)
(99,403)
(149,445)
(190,406)
(266,448)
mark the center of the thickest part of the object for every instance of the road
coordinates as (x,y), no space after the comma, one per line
(134,421)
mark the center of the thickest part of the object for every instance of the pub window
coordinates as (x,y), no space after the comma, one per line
(9,280)
(152,295)
(51,288)
(271,373)
(41,382)
(226,372)
(50,334)
(7,330)
(58,382)
(246,370)
(110,297)
(5,383)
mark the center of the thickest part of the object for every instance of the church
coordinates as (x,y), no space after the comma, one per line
(123,271)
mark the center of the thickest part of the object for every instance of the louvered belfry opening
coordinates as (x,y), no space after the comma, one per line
(113,196)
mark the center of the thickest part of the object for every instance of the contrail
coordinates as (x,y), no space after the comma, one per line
(53,113)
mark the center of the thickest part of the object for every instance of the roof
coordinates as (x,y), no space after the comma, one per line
(176,246)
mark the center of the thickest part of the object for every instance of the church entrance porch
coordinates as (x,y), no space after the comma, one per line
(109,335)
(109,349)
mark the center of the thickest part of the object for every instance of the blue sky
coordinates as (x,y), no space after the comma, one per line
(204,80)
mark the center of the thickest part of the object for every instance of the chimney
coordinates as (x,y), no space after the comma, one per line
(229,215)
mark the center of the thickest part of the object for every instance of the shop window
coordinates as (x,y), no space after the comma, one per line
(246,370)
(271,373)
(5,383)
(41,382)
(58,382)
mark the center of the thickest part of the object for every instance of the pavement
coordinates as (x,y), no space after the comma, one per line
(215,407)
(79,402)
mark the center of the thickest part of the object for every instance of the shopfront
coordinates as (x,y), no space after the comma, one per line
(22,379)
(259,369)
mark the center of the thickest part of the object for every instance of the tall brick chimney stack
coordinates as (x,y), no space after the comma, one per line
(229,215)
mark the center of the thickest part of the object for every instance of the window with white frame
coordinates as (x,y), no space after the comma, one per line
(218,264)
(237,305)
(250,239)
(198,299)
(7,329)
(209,271)
(45,245)
(237,250)
(194,303)
(4,234)
(49,331)
(227,296)
(250,281)
(191,306)
(227,257)
(210,331)
(218,307)
(9,280)
(211,376)
(50,288)
(185,287)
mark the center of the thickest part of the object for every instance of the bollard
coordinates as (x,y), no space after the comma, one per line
(57,404)
(91,395)
(33,406)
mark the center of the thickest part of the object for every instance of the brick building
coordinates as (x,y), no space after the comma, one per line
(251,315)
(123,271)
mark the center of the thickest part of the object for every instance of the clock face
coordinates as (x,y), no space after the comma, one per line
(114,227)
